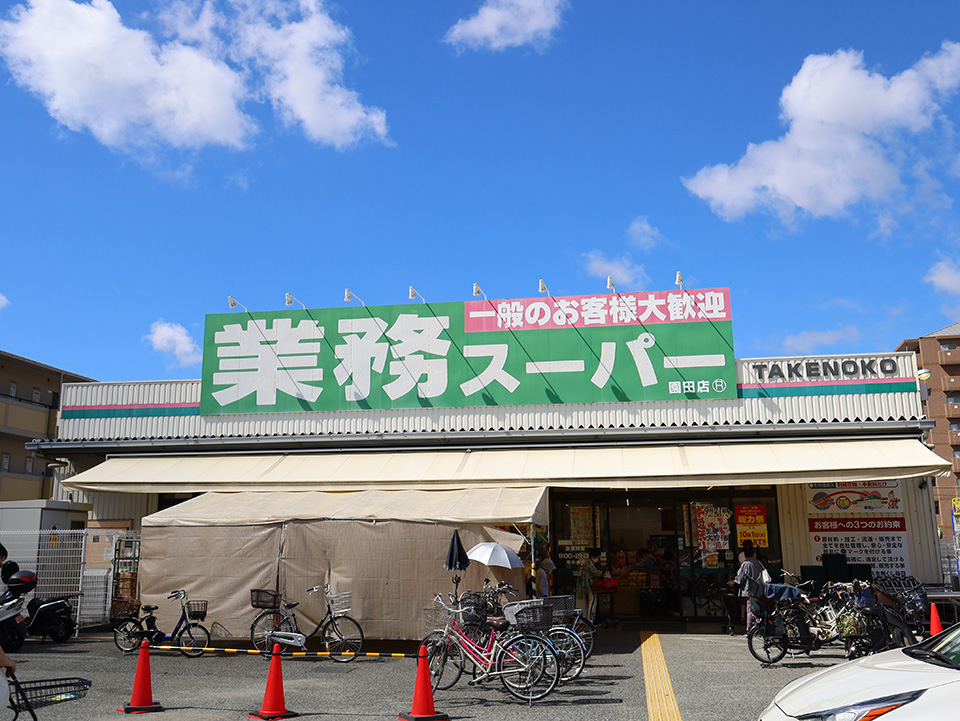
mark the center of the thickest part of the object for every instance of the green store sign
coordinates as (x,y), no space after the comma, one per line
(582,349)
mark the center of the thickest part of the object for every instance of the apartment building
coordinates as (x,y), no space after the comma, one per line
(29,402)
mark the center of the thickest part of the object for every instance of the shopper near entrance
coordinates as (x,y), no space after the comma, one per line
(547,566)
(748,578)
(588,574)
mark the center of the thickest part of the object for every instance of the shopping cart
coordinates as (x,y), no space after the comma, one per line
(31,695)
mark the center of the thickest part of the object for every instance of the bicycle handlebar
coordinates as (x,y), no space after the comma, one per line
(325,587)
(177,594)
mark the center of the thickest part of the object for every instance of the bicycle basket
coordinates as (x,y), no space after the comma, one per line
(529,615)
(196,610)
(435,618)
(340,603)
(122,607)
(264,598)
(36,694)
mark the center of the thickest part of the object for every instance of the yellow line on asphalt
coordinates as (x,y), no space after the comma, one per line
(661,702)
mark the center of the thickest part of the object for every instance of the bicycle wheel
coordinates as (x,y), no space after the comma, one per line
(341,634)
(528,667)
(585,630)
(445,659)
(194,636)
(266,623)
(123,635)
(766,649)
(573,655)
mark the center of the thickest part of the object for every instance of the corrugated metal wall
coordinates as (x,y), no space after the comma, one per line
(850,408)
(921,530)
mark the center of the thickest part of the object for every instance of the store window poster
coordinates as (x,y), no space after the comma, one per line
(712,526)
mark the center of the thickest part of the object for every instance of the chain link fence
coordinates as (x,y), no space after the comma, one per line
(89,565)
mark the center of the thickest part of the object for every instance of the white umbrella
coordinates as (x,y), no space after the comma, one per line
(495,554)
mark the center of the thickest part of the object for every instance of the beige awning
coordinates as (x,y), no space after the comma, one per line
(469,505)
(627,467)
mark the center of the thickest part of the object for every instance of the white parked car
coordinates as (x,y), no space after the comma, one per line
(917,683)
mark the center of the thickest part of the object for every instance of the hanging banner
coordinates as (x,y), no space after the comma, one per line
(880,542)
(752,525)
(577,349)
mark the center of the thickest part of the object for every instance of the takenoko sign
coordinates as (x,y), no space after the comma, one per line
(582,349)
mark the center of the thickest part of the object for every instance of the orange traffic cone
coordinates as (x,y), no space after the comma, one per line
(423,709)
(141,700)
(935,626)
(274,705)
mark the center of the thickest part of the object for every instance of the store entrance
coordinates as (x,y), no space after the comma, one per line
(665,554)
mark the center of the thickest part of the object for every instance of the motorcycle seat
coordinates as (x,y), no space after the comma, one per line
(149,609)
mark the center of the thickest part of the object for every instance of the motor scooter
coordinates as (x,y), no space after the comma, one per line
(51,617)
(13,625)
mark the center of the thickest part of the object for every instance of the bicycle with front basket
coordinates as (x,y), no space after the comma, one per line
(339,633)
(188,634)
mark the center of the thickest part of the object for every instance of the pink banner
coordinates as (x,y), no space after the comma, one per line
(586,311)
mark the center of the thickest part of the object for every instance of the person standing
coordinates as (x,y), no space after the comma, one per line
(588,574)
(748,578)
(547,566)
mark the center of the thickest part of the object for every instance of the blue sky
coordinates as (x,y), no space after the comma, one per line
(159,156)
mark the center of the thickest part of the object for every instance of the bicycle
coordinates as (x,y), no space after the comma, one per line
(339,633)
(190,636)
(526,663)
(31,695)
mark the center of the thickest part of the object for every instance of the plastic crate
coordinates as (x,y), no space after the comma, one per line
(340,603)
(122,607)
(196,610)
(264,598)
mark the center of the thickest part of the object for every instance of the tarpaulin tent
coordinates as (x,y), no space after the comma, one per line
(385,546)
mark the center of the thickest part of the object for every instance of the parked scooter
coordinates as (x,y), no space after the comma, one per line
(51,617)
(13,625)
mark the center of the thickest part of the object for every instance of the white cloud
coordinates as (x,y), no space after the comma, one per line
(94,73)
(810,341)
(644,234)
(945,275)
(502,24)
(4,301)
(130,90)
(173,339)
(624,271)
(844,124)
(302,63)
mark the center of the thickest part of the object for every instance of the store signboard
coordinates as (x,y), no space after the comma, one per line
(668,345)
(752,525)
(880,542)
(855,496)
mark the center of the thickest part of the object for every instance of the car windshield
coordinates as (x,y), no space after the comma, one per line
(942,649)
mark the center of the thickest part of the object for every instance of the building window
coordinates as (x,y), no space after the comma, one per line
(948,345)
(28,467)
(953,399)
(36,395)
(13,389)
(936,507)
(5,462)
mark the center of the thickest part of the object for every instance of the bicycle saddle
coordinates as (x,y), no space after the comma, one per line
(498,623)
(149,609)
(291,605)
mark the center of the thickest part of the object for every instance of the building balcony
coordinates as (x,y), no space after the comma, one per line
(952,410)
(24,419)
(954,438)
(949,384)
(949,357)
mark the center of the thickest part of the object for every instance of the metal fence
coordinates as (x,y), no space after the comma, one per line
(83,562)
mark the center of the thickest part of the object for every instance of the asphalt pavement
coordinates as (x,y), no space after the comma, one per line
(713,677)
